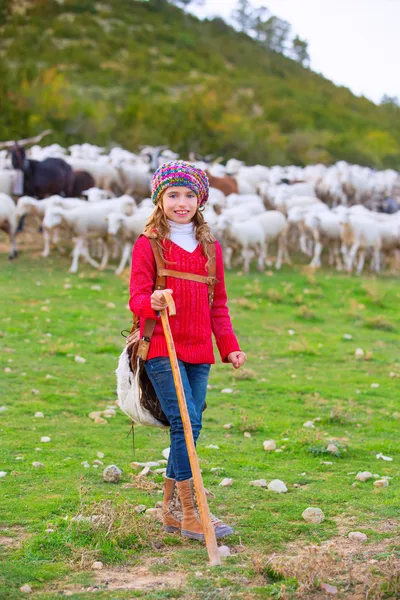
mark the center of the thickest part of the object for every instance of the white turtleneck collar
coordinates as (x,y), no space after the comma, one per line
(183,234)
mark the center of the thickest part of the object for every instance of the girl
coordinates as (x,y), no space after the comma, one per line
(179,192)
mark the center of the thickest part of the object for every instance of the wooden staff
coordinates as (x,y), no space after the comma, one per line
(208,528)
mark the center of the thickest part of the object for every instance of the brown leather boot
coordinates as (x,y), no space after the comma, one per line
(191,524)
(172,513)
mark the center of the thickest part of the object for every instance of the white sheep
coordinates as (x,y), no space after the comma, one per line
(8,222)
(37,208)
(361,234)
(274,225)
(88,222)
(8,181)
(247,236)
(325,229)
(127,229)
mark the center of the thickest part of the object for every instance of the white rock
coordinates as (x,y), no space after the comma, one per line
(259,483)
(3,409)
(39,415)
(227,391)
(109,413)
(96,288)
(98,463)
(112,474)
(45,439)
(228,426)
(329,589)
(80,359)
(347,336)
(7,370)
(152,463)
(48,376)
(146,471)
(97,565)
(160,471)
(357,536)
(165,453)
(381,483)
(269,445)
(359,353)
(26,589)
(155,513)
(3,473)
(213,447)
(380,455)
(276,485)
(86,464)
(375,385)
(332,448)
(363,476)
(100,454)
(326,462)
(247,434)
(226,482)
(313,515)
(223,551)
(140,508)
(291,332)
(37,465)
(35,392)
(110,305)
(309,425)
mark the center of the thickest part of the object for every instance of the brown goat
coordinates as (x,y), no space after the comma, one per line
(227,185)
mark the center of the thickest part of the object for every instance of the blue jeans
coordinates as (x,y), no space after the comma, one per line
(194,379)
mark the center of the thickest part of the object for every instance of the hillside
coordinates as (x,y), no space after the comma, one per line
(135,72)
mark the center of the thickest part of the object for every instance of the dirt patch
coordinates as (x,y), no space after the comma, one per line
(12,537)
(139,579)
(126,578)
(358,570)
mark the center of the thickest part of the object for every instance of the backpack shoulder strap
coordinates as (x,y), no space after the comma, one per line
(212,269)
(160,283)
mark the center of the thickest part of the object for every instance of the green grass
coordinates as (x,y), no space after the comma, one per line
(291,379)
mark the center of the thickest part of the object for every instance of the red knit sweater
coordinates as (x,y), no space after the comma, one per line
(194,321)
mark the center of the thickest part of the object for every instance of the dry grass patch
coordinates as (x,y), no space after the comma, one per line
(305,313)
(379,322)
(374,293)
(274,295)
(350,566)
(110,525)
(12,538)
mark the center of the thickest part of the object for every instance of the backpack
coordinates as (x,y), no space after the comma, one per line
(136,395)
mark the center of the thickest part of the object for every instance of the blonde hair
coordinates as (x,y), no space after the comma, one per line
(157,226)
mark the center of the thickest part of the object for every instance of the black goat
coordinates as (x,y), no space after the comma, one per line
(43,178)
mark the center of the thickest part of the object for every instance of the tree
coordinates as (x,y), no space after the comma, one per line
(392,100)
(187,2)
(259,17)
(243,15)
(300,51)
(274,34)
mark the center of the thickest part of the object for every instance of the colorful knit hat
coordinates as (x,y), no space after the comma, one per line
(180,173)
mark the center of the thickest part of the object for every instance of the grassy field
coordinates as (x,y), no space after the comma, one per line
(300,368)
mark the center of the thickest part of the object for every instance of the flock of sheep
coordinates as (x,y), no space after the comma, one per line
(305,210)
